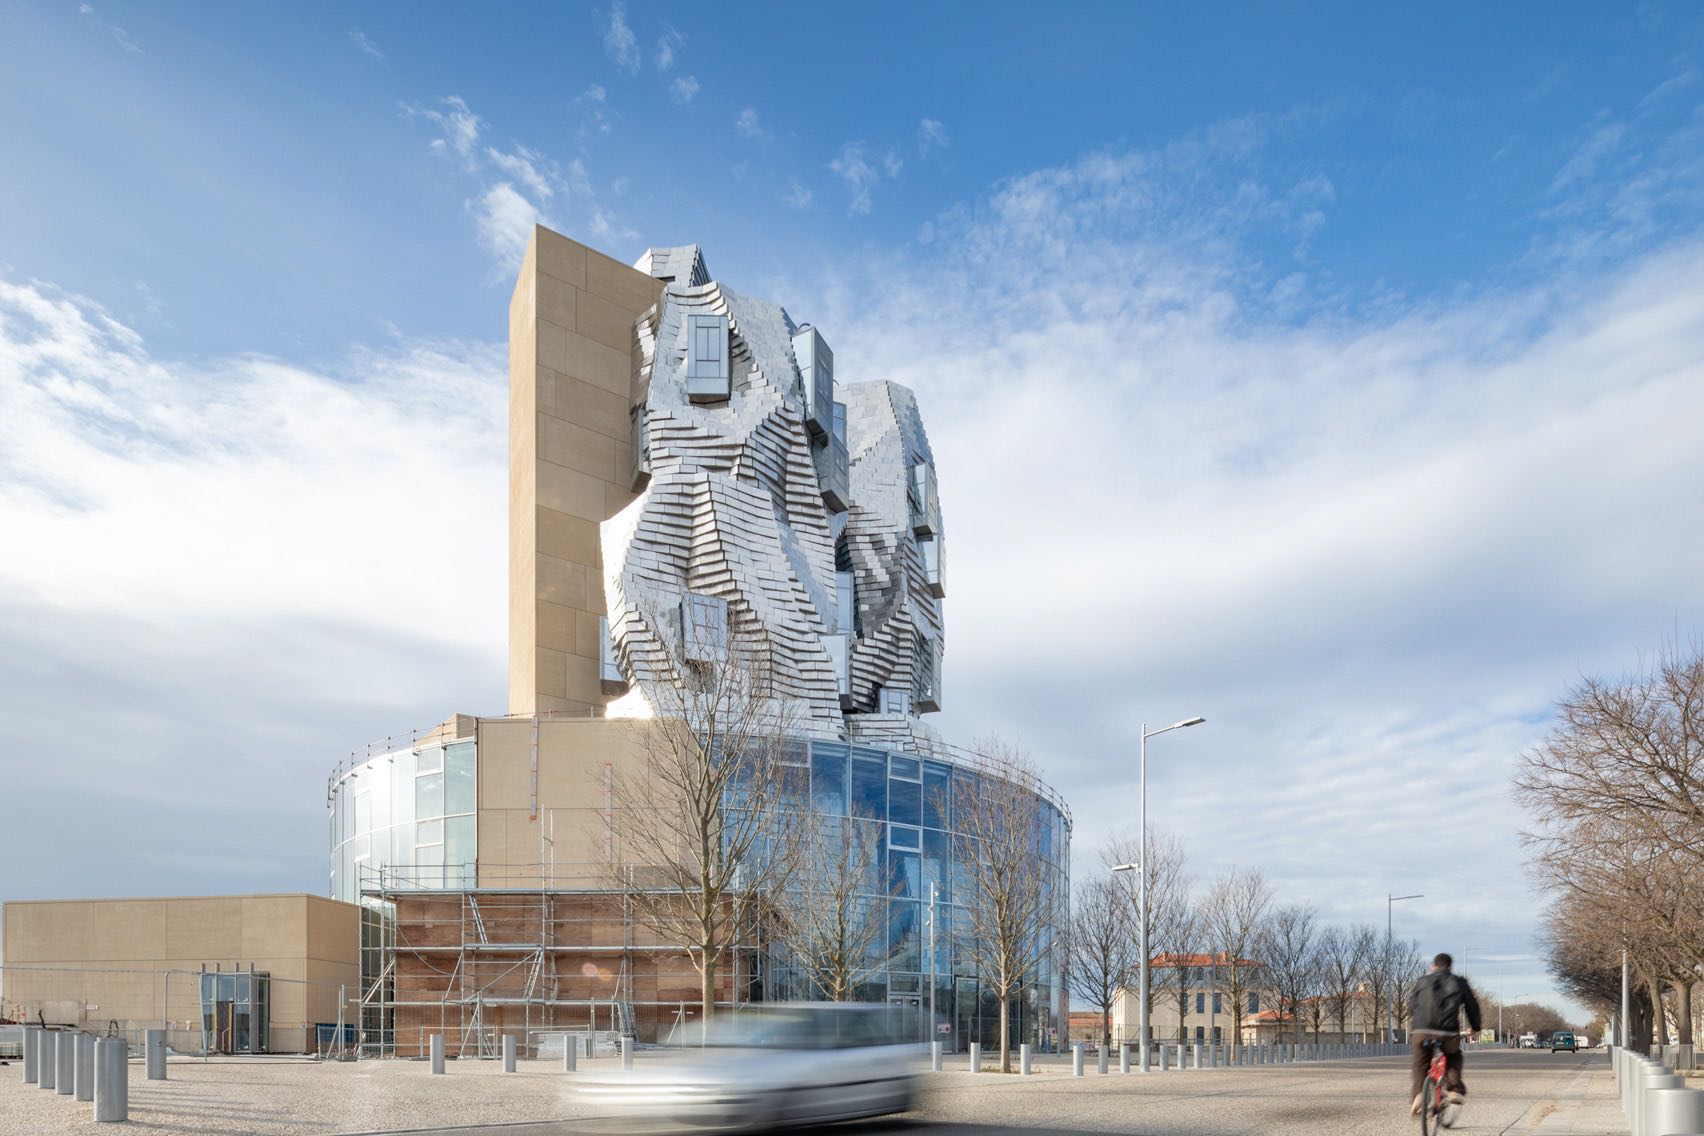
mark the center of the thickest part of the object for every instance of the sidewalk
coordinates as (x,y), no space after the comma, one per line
(1589,1105)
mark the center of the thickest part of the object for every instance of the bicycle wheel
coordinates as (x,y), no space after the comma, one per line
(1428,1107)
(1447,1113)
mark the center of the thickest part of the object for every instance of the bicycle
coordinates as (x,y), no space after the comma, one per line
(1436,1109)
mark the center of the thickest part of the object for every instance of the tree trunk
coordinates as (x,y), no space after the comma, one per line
(1005,1033)
(1106,1026)
(1659,1021)
(1683,1010)
(707,994)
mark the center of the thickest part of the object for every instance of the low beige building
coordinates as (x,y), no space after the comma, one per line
(240,973)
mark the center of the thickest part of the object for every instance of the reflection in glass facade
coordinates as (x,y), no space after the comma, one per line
(410,813)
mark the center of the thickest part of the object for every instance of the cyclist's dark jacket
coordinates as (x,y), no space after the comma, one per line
(1439,999)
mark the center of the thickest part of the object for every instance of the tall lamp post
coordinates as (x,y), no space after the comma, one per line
(1142,866)
(1390,941)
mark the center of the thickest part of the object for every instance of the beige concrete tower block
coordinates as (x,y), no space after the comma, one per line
(570,393)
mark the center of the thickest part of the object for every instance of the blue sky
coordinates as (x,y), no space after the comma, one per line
(1345,360)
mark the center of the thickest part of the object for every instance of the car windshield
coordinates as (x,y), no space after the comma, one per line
(801,1027)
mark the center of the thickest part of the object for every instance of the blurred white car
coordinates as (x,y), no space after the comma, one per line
(773,1066)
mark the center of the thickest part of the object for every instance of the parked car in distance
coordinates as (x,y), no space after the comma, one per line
(1529,1041)
(1562,1039)
(777,1066)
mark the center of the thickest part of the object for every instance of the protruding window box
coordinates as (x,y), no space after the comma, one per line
(926,674)
(639,475)
(834,475)
(925,503)
(892,701)
(709,377)
(934,569)
(704,628)
(846,602)
(816,372)
(609,669)
(839,648)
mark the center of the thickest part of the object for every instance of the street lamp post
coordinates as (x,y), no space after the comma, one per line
(1390,941)
(1142,866)
(1501,1040)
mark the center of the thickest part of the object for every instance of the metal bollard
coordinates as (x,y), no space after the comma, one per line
(1212,1055)
(1672,1112)
(47,1062)
(435,1052)
(1023,1060)
(935,1049)
(976,1057)
(1124,1059)
(627,1053)
(112,1079)
(154,1048)
(1195,1052)
(1142,1055)
(84,1078)
(65,1076)
(1100,1065)
(1077,1059)
(570,1052)
(1663,1079)
(508,1053)
(1164,1051)
(32,1054)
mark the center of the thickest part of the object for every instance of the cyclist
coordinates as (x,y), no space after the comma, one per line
(1439,1000)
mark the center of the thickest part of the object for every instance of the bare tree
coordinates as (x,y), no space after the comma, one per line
(700,822)
(1171,917)
(1011,911)
(1345,953)
(829,917)
(1102,949)
(1233,917)
(1289,949)
(1407,966)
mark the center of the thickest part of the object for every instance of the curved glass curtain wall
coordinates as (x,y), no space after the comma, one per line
(410,813)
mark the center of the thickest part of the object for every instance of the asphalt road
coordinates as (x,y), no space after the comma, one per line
(1510,1093)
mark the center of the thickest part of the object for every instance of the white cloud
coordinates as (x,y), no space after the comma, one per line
(931,136)
(457,125)
(797,196)
(360,40)
(684,89)
(525,166)
(862,170)
(506,220)
(620,44)
(119,35)
(747,125)
(594,106)
(668,48)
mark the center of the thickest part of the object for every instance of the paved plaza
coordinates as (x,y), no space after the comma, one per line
(1513,1093)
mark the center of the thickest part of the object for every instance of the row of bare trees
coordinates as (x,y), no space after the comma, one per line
(719,845)
(1310,972)
(1616,790)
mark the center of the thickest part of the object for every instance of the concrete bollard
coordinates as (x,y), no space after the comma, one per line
(65,1076)
(47,1059)
(1077,1059)
(570,1052)
(1165,1050)
(1142,1054)
(435,1052)
(976,1057)
(32,1054)
(627,1053)
(509,1053)
(112,1079)
(1024,1060)
(1100,1064)
(1674,1112)
(84,1078)
(935,1049)
(1124,1059)
(154,1049)
(1647,1082)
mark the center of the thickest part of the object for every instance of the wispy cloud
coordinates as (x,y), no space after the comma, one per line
(861,170)
(526,166)
(668,48)
(931,136)
(796,195)
(620,44)
(360,40)
(119,35)
(457,125)
(684,89)
(748,126)
(593,105)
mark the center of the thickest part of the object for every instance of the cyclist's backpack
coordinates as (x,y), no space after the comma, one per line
(1437,1002)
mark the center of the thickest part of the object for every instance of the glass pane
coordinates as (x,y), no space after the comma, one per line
(428,856)
(905,767)
(460,791)
(905,802)
(904,951)
(429,832)
(431,760)
(936,809)
(904,836)
(828,779)
(905,876)
(429,795)
(459,850)
(935,865)
(869,788)
(402,788)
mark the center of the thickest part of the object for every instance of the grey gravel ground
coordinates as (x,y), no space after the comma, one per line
(1511,1094)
